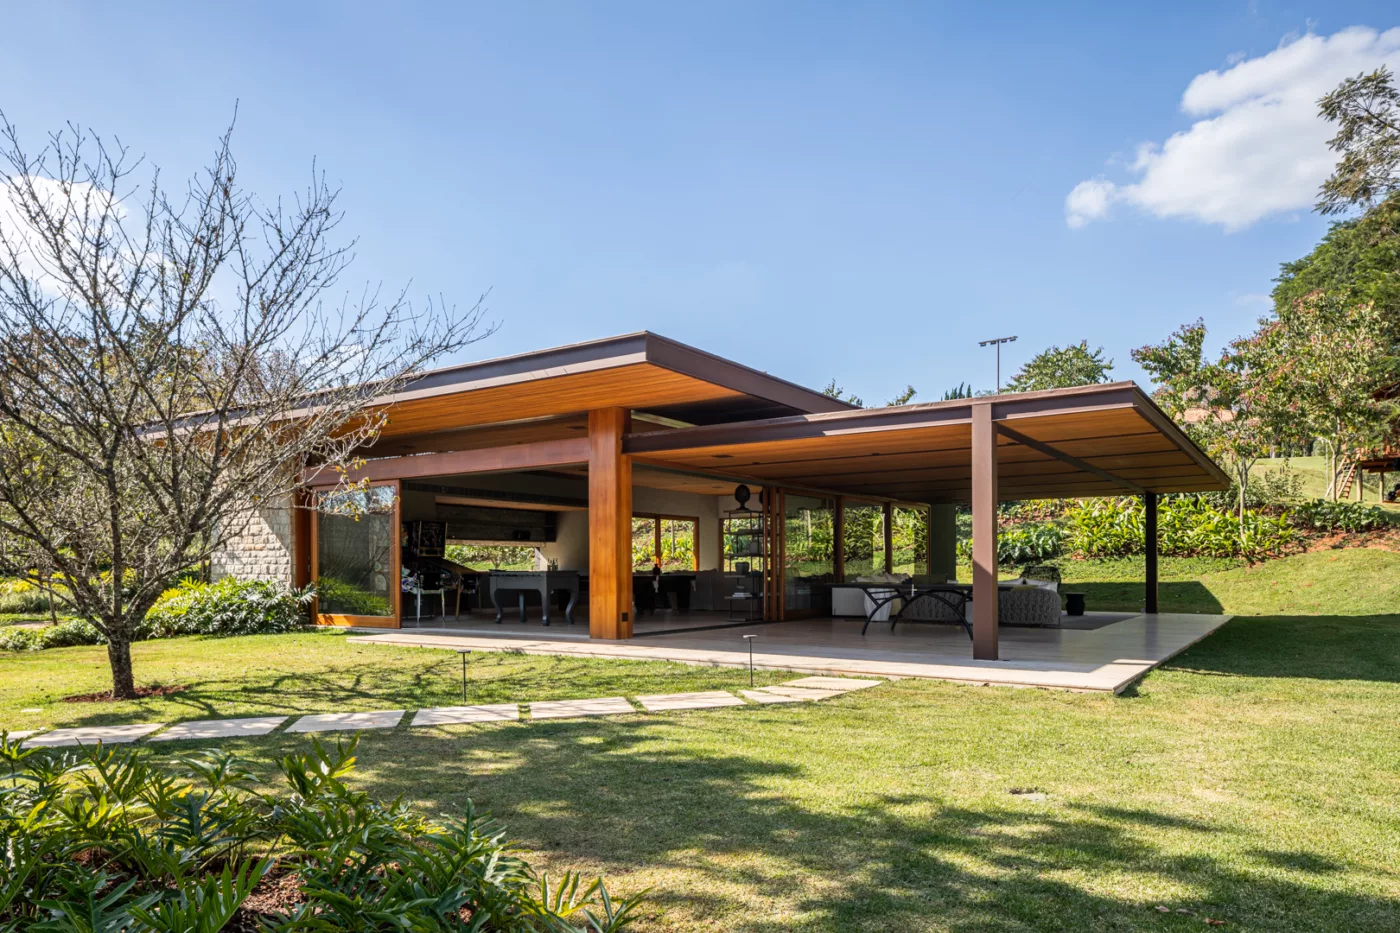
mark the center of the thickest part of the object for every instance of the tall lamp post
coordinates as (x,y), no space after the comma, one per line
(997,342)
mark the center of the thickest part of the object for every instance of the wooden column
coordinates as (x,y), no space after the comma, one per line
(1149,533)
(985,611)
(609,525)
(838,543)
(889,538)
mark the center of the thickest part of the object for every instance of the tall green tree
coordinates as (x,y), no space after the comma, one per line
(1061,368)
(1366,110)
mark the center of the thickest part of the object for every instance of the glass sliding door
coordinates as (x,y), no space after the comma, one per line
(643,543)
(678,550)
(864,539)
(355,556)
(808,549)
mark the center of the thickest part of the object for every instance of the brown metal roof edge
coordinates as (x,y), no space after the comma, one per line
(953,411)
(1150,410)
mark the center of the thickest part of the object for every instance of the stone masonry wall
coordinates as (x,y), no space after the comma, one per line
(259,546)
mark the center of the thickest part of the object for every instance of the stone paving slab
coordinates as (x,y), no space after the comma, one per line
(842,684)
(451,715)
(759,696)
(91,735)
(220,728)
(23,734)
(334,722)
(566,709)
(801,693)
(708,699)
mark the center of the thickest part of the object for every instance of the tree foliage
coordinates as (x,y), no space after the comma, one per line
(1366,109)
(1061,368)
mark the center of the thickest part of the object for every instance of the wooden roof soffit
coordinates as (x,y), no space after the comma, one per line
(1063,457)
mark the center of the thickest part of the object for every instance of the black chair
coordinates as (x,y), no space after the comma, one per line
(643,594)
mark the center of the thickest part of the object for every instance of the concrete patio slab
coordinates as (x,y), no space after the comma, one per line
(22,734)
(336,722)
(842,684)
(759,696)
(708,699)
(91,735)
(453,715)
(1105,658)
(567,709)
(220,728)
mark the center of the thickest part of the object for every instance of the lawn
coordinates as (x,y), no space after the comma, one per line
(1252,781)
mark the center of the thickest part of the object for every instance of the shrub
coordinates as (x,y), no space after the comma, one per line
(17,639)
(1323,515)
(228,607)
(67,634)
(22,597)
(105,838)
(1018,544)
(1187,526)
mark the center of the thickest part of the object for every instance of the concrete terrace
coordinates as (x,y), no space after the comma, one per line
(1106,652)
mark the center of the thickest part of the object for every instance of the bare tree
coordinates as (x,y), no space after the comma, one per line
(166,363)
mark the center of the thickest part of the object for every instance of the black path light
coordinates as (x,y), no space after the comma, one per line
(749,639)
(464,652)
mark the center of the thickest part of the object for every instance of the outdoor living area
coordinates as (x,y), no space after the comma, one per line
(671,503)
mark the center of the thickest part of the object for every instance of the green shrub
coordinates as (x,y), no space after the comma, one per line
(1323,515)
(20,597)
(1018,544)
(228,607)
(69,633)
(1187,526)
(105,840)
(18,639)
(1041,572)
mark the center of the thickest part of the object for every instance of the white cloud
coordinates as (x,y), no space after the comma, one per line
(1259,147)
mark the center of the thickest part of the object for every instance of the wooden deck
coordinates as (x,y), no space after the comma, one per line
(1107,658)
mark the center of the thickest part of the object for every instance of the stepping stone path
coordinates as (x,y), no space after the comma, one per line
(91,735)
(568,709)
(451,715)
(709,699)
(220,728)
(336,722)
(803,690)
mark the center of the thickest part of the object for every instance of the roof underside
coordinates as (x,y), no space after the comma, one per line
(1089,441)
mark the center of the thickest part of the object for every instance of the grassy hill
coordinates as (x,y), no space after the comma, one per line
(1313,471)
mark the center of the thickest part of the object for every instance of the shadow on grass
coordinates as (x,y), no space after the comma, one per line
(1175,596)
(1317,647)
(735,847)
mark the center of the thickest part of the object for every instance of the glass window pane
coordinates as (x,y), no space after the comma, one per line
(354,542)
(677,544)
(910,534)
(864,539)
(643,543)
(808,554)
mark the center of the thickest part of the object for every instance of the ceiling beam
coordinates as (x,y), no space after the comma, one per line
(1075,462)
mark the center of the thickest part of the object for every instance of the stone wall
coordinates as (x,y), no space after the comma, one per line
(257,546)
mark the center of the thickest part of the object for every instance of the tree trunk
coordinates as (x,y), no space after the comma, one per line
(119,655)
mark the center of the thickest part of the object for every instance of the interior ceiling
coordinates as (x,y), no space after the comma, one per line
(932,462)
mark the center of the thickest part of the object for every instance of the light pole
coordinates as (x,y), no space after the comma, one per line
(997,342)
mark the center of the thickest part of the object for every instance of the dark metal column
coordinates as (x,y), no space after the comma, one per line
(1149,502)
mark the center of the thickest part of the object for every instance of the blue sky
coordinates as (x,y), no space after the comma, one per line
(858,191)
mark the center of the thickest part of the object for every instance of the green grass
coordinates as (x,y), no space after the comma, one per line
(1253,780)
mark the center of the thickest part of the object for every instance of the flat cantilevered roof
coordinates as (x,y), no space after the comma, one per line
(641,371)
(1084,441)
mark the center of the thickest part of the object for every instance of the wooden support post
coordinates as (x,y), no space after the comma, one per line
(889,539)
(1149,528)
(986,617)
(609,525)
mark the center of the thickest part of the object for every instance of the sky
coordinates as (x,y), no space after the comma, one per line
(858,192)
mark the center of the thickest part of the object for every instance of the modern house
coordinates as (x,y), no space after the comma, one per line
(573,450)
